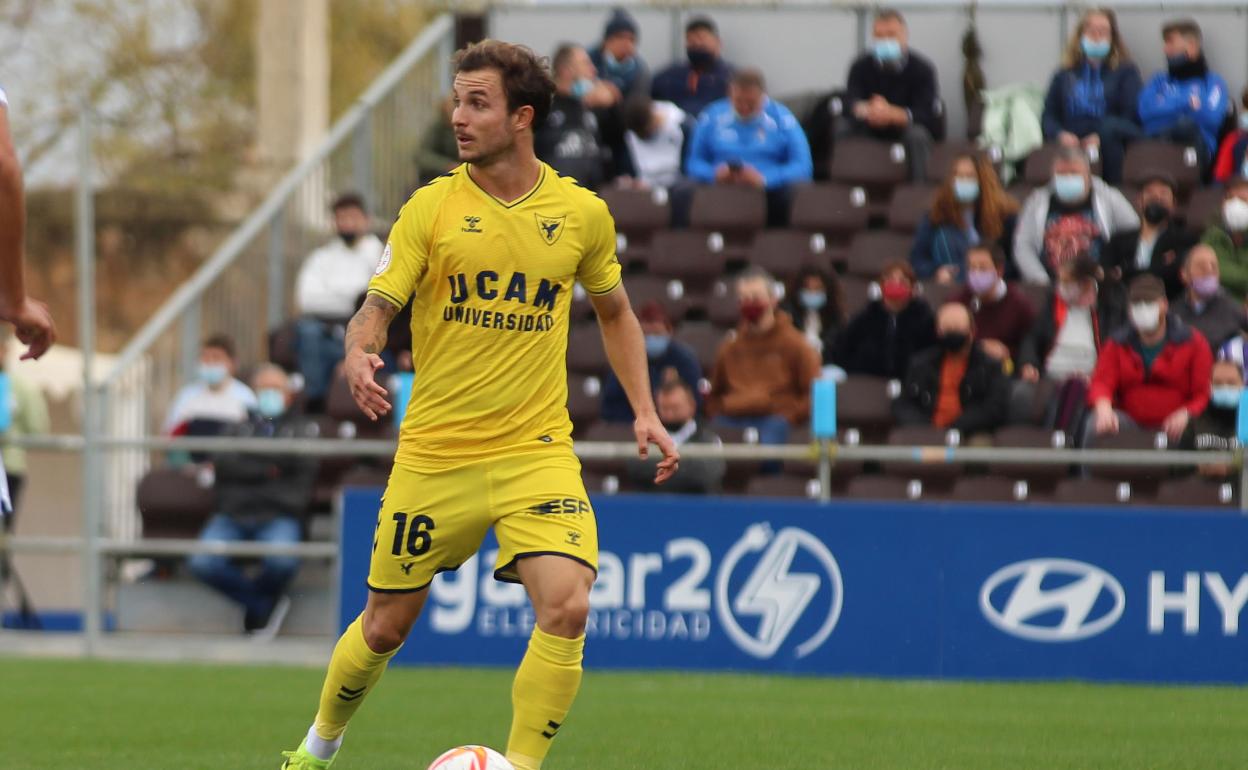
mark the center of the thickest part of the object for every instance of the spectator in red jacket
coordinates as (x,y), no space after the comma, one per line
(1153,373)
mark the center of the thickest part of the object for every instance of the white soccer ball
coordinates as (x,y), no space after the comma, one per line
(471,758)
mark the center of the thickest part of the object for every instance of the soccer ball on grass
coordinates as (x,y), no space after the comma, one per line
(471,758)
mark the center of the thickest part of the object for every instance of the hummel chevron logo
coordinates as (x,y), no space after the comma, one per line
(347,694)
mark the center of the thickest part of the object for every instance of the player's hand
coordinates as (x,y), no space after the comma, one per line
(648,429)
(361,370)
(34,327)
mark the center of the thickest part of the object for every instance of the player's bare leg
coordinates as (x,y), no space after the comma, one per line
(550,674)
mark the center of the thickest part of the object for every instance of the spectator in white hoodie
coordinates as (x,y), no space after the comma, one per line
(328,289)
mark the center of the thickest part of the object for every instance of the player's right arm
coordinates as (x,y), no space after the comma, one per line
(366,337)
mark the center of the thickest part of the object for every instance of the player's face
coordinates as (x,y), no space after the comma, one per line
(484,127)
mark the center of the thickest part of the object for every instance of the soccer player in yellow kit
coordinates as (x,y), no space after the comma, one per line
(490,252)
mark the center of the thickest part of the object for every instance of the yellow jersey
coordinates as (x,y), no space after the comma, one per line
(493,291)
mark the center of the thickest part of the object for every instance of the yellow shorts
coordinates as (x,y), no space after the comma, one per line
(434,521)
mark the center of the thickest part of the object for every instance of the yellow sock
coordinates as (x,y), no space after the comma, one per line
(545,686)
(353,669)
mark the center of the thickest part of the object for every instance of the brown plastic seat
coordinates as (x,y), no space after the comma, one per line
(1148,156)
(989,489)
(687,255)
(734,210)
(609,432)
(864,402)
(874,164)
(1148,477)
(1204,208)
(835,210)
(785,486)
(172,503)
(884,488)
(938,294)
(1030,437)
(858,292)
(704,338)
(1092,492)
(585,352)
(936,472)
(668,292)
(584,400)
(1196,492)
(1038,168)
(940,157)
(722,307)
(283,346)
(871,250)
(638,215)
(783,253)
(910,203)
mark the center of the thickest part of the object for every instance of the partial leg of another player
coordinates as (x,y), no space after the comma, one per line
(550,673)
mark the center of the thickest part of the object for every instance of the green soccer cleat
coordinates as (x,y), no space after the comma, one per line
(302,759)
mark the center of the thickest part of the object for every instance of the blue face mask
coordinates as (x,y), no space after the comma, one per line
(617,67)
(581,87)
(1225,396)
(213,374)
(271,403)
(657,345)
(1094,49)
(1070,188)
(965,190)
(886,49)
(813,299)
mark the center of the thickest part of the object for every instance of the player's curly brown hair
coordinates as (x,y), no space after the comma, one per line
(526,76)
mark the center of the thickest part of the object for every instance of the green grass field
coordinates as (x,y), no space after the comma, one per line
(58,715)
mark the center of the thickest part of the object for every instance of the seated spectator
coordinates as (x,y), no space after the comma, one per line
(439,150)
(1217,429)
(892,93)
(655,140)
(954,384)
(1093,99)
(703,79)
(662,353)
(1003,315)
(1232,157)
(886,334)
(1188,102)
(1074,214)
(570,140)
(678,412)
(1157,246)
(816,303)
(968,209)
(1153,373)
(261,498)
(763,373)
(1205,305)
(619,65)
(27,415)
(1230,239)
(327,290)
(215,396)
(750,139)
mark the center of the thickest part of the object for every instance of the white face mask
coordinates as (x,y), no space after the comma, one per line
(1235,212)
(1145,316)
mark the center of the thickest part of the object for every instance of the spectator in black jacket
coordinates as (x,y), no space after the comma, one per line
(883,337)
(1206,305)
(1217,428)
(571,140)
(703,79)
(1156,247)
(816,303)
(619,65)
(261,498)
(678,412)
(892,93)
(954,384)
(663,352)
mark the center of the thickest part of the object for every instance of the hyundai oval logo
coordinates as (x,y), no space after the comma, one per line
(1052,600)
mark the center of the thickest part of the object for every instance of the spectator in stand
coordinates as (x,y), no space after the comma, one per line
(677,409)
(749,139)
(260,498)
(216,396)
(763,373)
(1230,239)
(655,140)
(1153,373)
(1217,429)
(1074,214)
(1093,99)
(1205,305)
(816,303)
(618,64)
(703,79)
(27,416)
(892,93)
(969,208)
(327,290)
(1002,314)
(1188,102)
(1157,246)
(885,335)
(955,384)
(1232,157)
(570,140)
(663,352)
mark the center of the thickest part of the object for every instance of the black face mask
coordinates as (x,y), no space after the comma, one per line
(700,58)
(953,341)
(349,238)
(1155,213)
(1183,68)
(672,427)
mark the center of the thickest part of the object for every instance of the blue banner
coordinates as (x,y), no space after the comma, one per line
(905,589)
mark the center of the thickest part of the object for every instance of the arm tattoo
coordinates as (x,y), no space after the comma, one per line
(368,327)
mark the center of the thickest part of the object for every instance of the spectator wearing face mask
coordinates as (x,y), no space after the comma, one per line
(1188,102)
(693,84)
(763,372)
(1157,246)
(892,93)
(1230,239)
(327,290)
(677,410)
(663,352)
(1002,314)
(617,63)
(968,209)
(954,384)
(1093,99)
(1232,157)
(1217,428)
(1205,305)
(215,396)
(882,338)
(571,139)
(1076,213)
(816,303)
(1153,373)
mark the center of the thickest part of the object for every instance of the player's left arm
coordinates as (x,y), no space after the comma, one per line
(626,350)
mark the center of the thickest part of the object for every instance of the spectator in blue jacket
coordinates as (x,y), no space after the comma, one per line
(1188,102)
(749,139)
(693,84)
(970,208)
(662,353)
(1093,99)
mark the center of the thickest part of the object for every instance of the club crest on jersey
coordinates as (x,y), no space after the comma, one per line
(551,228)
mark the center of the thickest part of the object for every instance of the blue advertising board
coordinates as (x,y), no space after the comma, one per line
(880,589)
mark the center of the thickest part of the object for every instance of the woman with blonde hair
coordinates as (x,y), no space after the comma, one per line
(970,207)
(1093,99)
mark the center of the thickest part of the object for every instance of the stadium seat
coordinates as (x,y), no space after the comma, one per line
(1204,208)
(584,401)
(884,488)
(737,473)
(735,211)
(601,483)
(341,408)
(687,255)
(875,165)
(283,346)
(784,485)
(1092,492)
(1144,478)
(721,306)
(934,473)
(866,403)
(858,292)
(668,292)
(1198,492)
(1038,168)
(608,432)
(940,157)
(937,294)
(872,249)
(783,253)
(1030,437)
(989,489)
(173,503)
(909,205)
(704,338)
(582,309)
(835,210)
(585,352)
(1148,156)
(638,215)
